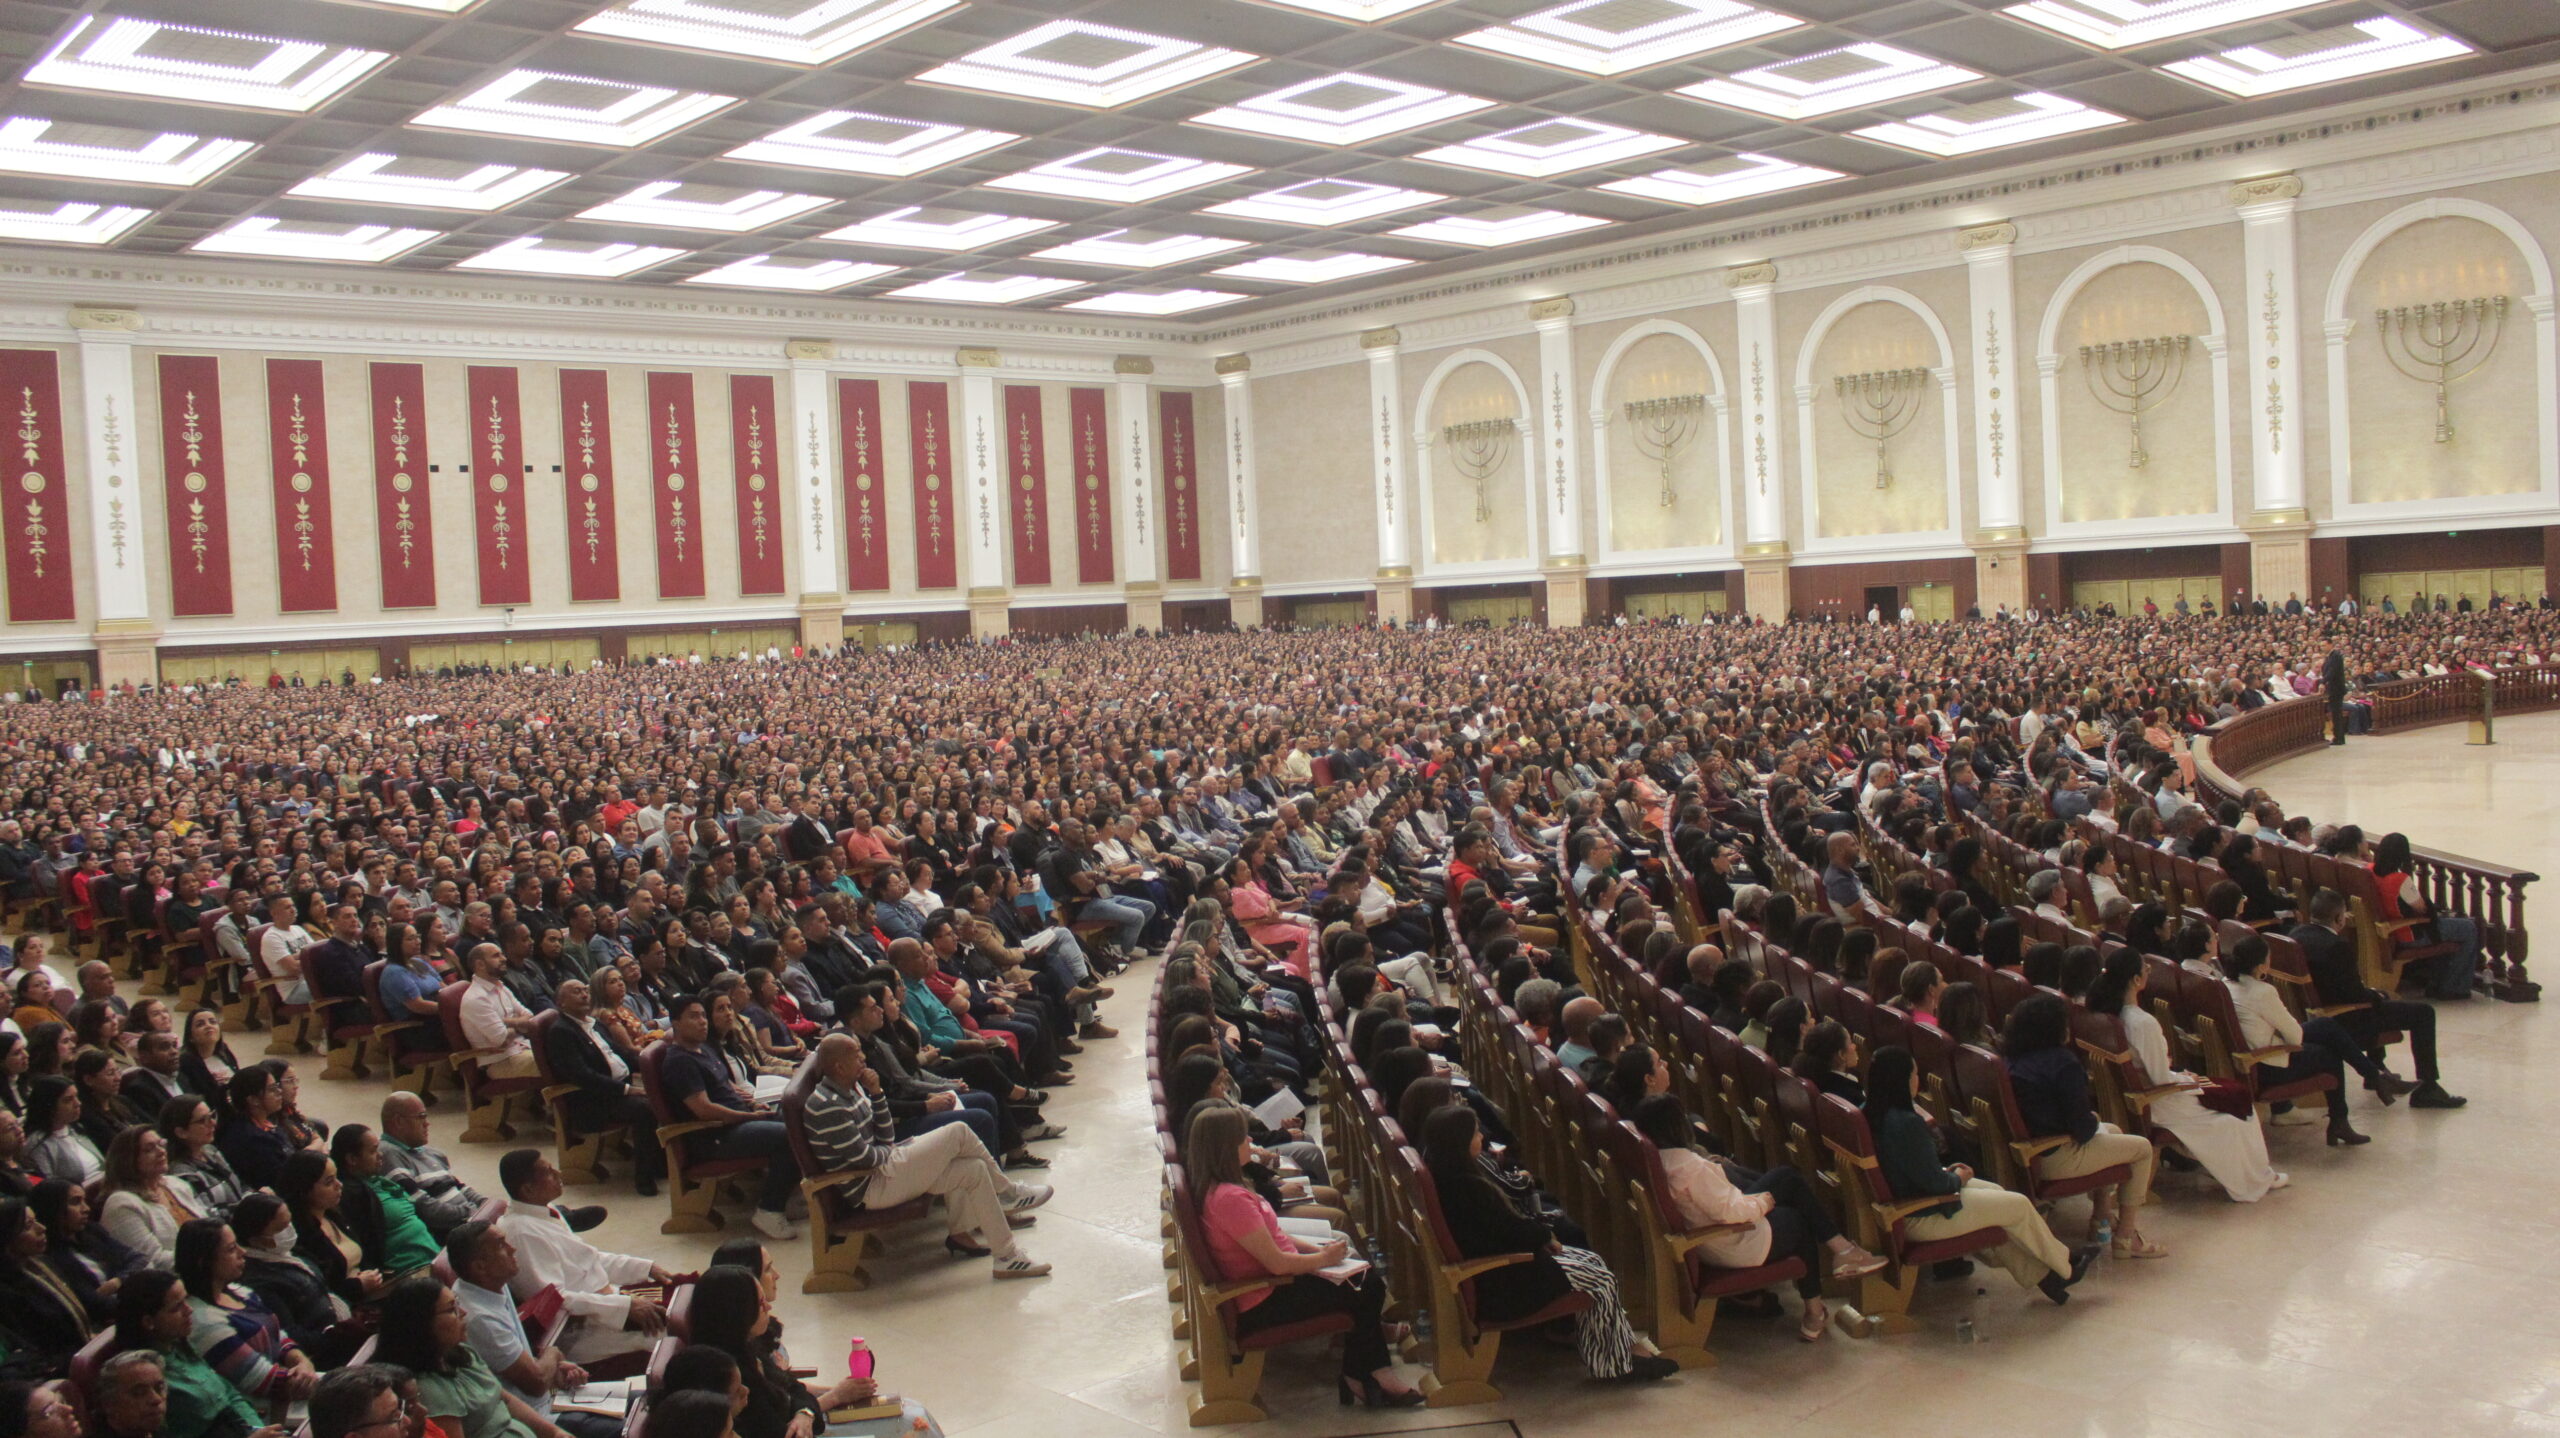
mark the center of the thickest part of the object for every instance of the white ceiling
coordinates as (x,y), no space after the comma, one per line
(1115,157)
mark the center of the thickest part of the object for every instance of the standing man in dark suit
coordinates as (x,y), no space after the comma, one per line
(2333,683)
(585,1055)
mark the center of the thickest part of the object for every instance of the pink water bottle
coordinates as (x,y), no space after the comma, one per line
(857,1361)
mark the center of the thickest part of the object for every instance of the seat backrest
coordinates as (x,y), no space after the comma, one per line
(2009,988)
(795,1121)
(1823,994)
(1792,1099)
(1843,1127)
(1855,1011)
(1981,1075)
(543,1023)
(373,991)
(1889,1024)
(449,1014)
(1932,1052)
(653,1082)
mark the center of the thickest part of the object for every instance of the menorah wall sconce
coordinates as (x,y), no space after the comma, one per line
(1478,448)
(1880,404)
(1663,427)
(2135,377)
(2442,344)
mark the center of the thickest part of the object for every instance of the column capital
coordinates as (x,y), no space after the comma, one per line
(1547,313)
(1987,244)
(2266,197)
(95,319)
(808,351)
(1132,366)
(1381,343)
(1761,276)
(977,357)
(1232,369)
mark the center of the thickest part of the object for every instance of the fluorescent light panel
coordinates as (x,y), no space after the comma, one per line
(982,289)
(434,184)
(1343,109)
(305,240)
(33,146)
(149,59)
(540,105)
(818,33)
(2343,52)
(532,256)
(918,228)
(1134,249)
(1551,147)
(764,272)
(1361,12)
(1831,81)
(1313,269)
(704,207)
(1499,227)
(1970,129)
(1074,62)
(1613,37)
(859,143)
(1121,176)
(1736,177)
(1153,303)
(2119,24)
(66,222)
(1325,202)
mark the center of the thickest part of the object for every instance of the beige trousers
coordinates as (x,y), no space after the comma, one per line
(2031,1251)
(2106,1148)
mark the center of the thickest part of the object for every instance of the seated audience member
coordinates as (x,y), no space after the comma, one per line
(1784,1218)
(2052,1090)
(45,1316)
(362,1402)
(2338,979)
(701,1085)
(2266,1022)
(731,1313)
(593,1059)
(312,1190)
(2453,975)
(233,1331)
(79,1249)
(56,1147)
(425,1330)
(420,1169)
(139,1203)
(1907,1155)
(605,1321)
(287,1283)
(250,1138)
(153,1318)
(2232,1150)
(494,1019)
(189,1125)
(485,1267)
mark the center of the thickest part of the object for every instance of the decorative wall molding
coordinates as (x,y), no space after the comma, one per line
(1424,481)
(1808,467)
(1602,415)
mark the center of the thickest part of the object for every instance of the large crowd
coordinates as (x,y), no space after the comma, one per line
(914,873)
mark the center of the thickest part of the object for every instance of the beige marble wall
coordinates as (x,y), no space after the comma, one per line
(2494,413)
(1474,521)
(1632,507)
(1318,514)
(2179,474)
(1850,498)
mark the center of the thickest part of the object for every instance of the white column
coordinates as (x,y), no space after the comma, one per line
(1764,470)
(2274,390)
(1999,493)
(983,515)
(1244,489)
(1561,469)
(119,526)
(1392,490)
(815,496)
(1133,460)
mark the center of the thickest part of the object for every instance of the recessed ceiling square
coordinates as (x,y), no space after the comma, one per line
(1614,37)
(151,59)
(794,32)
(1074,62)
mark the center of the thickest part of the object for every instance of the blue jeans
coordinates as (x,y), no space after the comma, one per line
(977,1110)
(1067,962)
(1130,914)
(2453,981)
(762,1138)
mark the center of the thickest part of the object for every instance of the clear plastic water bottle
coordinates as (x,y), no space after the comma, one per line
(1970,1326)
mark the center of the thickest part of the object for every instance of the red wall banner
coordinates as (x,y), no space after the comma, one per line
(675,481)
(1027,463)
(298,461)
(929,466)
(38,495)
(866,492)
(586,433)
(194,485)
(1180,463)
(751,457)
(498,516)
(403,516)
(1088,420)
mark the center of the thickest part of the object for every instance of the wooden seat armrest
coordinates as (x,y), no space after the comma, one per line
(1459,1272)
(2029,1150)
(822,1182)
(553,1093)
(1226,1293)
(2398,927)
(2287,976)
(1689,1241)
(397,1026)
(2145,1098)
(478,1056)
(2270,1054)
(1891,1215)
(687,1127)
(2331,1011)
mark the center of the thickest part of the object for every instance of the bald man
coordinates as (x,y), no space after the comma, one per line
(1575,1021)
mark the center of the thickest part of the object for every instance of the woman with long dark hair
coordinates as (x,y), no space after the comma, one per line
(2232,1149)
(46,1316)
(1907,1156)
(233,1331)
(423,1330)
(2454,973)
(152,1313)
(2052,1090)
(731,1314)
(56,1147)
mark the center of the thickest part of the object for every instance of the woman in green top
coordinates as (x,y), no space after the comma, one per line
(422,1331)
(152,1312)
(1907,1156)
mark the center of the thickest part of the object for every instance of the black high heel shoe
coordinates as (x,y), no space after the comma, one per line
(1373,1394)
(954,1245)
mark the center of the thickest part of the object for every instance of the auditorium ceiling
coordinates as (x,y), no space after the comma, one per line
(1187,160)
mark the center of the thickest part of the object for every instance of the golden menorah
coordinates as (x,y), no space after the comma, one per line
(1478,448)
(2135,377)
(1880,404)
(2442,344)
(1663,427)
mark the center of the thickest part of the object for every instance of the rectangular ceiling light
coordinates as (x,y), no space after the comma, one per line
(764,272)
(153,60)
(1360,12)
(1991,125)
(795,32)
(919,228)
(1325,202)
(1551,147)
(2341,52)
(534,256)
(682,206)
(33,146)
(1613,37)
(984,289)
(441,7)
(1139,249)
(2118,24)
(1343,110)
(306,240)
(1736,177)
(1313,269)
(1154,304)
(1126,177)
(1075,62)
(66,222)
(1499,227)
(434,184)
(539,105)
(859,143)
(1831,81)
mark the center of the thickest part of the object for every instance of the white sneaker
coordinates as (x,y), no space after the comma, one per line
(2283,1180)
(776,1226)
(1028,1196)
(1020,1265)
(1042,1133)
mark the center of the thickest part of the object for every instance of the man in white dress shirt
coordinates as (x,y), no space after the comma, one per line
(606,1321)
(493,1018)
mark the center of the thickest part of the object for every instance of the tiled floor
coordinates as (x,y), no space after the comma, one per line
(2402,1288)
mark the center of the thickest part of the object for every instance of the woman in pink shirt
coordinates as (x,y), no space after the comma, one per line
(1245,1242)
(1253,906)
